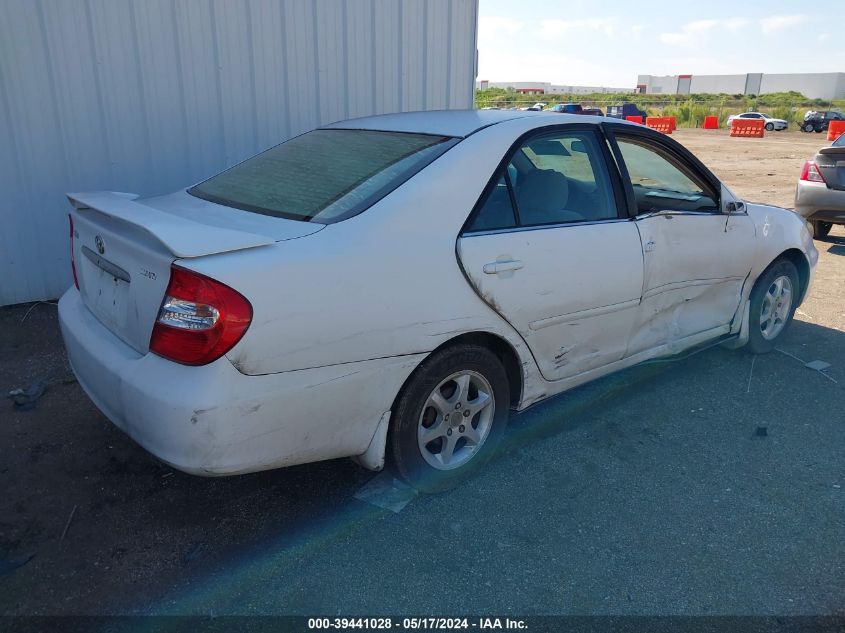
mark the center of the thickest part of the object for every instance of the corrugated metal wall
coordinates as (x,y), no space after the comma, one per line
(148,96)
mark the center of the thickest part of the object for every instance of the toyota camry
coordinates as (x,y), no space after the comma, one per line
(390,288)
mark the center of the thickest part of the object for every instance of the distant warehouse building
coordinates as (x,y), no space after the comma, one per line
(812,85)
(547,88)
(149,96)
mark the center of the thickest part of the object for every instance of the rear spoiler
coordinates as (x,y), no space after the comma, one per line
(839,149)
(181,236)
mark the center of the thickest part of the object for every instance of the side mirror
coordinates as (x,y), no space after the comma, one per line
(737,206)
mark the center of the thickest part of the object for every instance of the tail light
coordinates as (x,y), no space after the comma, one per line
(72,260)
(200,319)
(810,172)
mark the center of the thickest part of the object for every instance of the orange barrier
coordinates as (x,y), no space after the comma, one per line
(673,122)
(836,129)
(660,123)
(749,128)
(635,119)
(711,123)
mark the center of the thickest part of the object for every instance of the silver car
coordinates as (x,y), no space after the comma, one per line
(771,122)
(820,195)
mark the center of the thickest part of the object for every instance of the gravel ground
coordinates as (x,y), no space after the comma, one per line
(709,485)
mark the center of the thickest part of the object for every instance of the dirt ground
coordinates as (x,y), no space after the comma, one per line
(712,485)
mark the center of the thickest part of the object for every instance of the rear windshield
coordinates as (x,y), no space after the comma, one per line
(325,175)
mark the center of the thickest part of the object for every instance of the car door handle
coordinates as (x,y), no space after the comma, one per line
(499,267)
(649,246)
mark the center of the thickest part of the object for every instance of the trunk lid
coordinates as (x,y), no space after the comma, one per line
(831,164)
(123,249)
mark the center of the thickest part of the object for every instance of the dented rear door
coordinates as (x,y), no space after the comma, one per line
(572,292)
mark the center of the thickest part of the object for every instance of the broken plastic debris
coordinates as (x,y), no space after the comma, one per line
(386,492)
(818,365)
(25,399)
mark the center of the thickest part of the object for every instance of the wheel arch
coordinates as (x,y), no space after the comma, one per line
(503,350)
(799,260)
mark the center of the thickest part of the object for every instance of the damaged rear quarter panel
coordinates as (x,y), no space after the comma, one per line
(381,284)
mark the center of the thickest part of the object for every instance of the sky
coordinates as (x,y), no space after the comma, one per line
(599,43)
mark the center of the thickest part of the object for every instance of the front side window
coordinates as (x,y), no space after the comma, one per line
(325,175)
(661,181)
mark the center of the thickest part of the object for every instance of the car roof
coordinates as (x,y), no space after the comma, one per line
(457,123)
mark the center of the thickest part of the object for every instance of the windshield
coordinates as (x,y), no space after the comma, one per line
(839,142)
(323,176)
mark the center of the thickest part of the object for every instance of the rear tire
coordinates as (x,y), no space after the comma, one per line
(449,418)
(821,229)
(773,302)
(807,127)
(770,127)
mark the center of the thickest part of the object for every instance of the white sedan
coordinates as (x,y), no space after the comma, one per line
(771,123)
(395,285)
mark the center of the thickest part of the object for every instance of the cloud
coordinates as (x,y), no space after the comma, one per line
(689,34)
(734,24)
(492,25)
(693,33)
(700,25)
(556,28)
(775,23)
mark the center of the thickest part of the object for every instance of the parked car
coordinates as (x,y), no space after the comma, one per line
(771,122)
(820,194)
(625,110)
(396,284)
(820,121)
(537,107)
(592,111)
(567,108)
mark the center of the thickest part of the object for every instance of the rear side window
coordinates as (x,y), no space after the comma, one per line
(497,210)
(553,178)
(323,176)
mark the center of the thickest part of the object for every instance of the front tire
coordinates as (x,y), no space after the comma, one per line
(770,127)
(449,417)
(821,229)
(773,302)
(807,127)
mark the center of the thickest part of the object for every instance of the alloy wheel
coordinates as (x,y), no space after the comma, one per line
(776,308)
(455,420)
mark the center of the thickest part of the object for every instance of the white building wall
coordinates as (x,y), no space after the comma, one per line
(715,84)
(148,96)
(667,84)
(549,88)
(813,85)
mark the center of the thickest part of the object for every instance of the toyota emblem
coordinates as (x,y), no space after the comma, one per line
(101,248)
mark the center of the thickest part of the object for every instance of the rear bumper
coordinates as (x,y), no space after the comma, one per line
(214,420)
(814,200)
